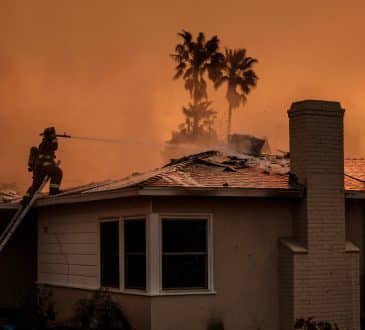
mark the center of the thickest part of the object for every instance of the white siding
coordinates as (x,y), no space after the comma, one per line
(68,247)
(68,251)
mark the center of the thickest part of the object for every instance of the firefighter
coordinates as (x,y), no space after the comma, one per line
(42,163)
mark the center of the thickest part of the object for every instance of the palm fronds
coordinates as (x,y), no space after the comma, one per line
(194,59)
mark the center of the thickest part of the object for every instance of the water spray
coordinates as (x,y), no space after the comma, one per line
(124,141)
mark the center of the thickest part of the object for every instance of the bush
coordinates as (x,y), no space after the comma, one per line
(100,312)
(310,324)
(37,309)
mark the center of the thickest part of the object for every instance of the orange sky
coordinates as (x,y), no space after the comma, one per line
(102,68)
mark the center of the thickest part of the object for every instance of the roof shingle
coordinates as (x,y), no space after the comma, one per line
(217,169)
(214,169)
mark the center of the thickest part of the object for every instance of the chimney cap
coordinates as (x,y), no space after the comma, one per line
(316,107)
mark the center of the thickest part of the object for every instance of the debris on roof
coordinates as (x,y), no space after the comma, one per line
(9,193)
(9,196)
(221,169)
(211,168)
(248,144)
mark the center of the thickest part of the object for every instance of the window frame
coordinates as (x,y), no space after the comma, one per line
(210,259)
(122,254)
(153,227)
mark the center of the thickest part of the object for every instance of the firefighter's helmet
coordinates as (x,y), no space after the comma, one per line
(49,132)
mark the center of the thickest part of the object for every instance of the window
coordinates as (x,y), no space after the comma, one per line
(184,254)
(109,254)
(135,254)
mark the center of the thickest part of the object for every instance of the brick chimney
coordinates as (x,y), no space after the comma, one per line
(317,160)
(316,273)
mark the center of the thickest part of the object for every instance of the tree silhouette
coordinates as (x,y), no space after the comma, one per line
(199,120)
(237,72)
(194,60)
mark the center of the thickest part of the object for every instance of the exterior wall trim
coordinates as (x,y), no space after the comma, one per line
(293,246)
(180,191)
(174,191)
(351,247)
(9,206)
(127,293)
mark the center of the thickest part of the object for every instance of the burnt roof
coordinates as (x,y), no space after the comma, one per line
(218,169)
(206,169)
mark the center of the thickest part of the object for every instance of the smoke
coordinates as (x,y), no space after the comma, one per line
(102,68)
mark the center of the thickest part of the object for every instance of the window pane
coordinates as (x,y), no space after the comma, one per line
(135,274)
(135,254)
(184,235)
(135,236)
(109,254)
(184,272)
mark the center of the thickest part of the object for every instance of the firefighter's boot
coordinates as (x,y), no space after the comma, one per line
(54,191)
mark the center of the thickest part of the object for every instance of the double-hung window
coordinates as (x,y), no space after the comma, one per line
(184,254)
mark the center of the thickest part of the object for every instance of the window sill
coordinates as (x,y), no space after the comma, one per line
(131,292)
(162,293)
(185,293)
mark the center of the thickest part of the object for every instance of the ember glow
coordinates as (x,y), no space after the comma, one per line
(102,68)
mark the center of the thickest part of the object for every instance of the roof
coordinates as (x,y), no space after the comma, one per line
(8,195)
(212,173)
(217,169)
(355,174)
(207,169)
(217,173)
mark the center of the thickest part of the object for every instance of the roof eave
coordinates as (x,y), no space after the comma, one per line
(87,197)
(172,191)
(179,191)
(223,192)
(355,194)
(9,206)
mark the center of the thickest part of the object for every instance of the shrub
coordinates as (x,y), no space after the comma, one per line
(37,309)
(311,324)
(100,312)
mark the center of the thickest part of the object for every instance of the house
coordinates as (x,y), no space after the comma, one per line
(253,241)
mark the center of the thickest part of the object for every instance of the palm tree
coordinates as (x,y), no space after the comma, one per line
(194,59)
(199,118)
(237,72)
(199,121)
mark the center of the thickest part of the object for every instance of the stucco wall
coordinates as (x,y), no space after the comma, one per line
(246,234)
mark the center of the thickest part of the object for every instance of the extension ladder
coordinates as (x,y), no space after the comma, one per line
(19,216)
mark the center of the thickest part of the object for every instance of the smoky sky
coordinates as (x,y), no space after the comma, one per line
(102,69)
